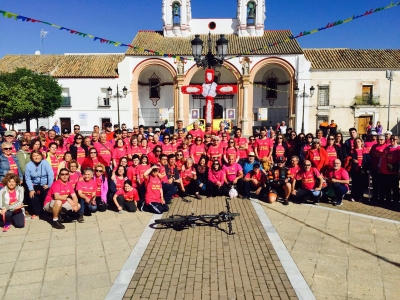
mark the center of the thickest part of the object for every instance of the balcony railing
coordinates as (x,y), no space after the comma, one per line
(103,102)
(366,100)
(66,101)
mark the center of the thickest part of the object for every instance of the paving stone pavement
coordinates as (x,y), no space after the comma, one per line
(80,262)
(206,263)
(341,256)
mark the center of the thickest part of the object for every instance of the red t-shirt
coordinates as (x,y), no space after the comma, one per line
(197,151)
(332,155)
(80,155)
(279,151)
(197,133)
(241,142)
(140,169)
(260,177)
(132,150)
(131,174)
(74,178)
(376,154)
(118,153)
(263,147)
(87,187)
(104,151)
(390,160)
(167,149)
(13,165)
(54,163)
(13,197)
(64,189)
(340,174)
(153,189)
(99,182)
(119,183)
(368,145)
(187,173)
(231,151)
(316,159)
(294,170)
(308,179)
(132,195)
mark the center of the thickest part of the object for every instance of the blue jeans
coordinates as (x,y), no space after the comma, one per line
(203,188)
(91,208)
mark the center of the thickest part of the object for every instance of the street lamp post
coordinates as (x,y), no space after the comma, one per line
(210,60)
(304,96)
(389,76)
(117,95)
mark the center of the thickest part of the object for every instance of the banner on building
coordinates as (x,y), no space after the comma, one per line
(263,114)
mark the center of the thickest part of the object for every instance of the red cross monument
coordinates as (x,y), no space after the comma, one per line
(209,90)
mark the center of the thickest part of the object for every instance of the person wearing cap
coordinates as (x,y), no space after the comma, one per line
(9,136)
(154,199)
(280,179)
(179,126)
(130,132)
(255,181)
(388,134)
(42,131)
(311,184)
(208,130)
(248,164)
(196,131)
(317,155)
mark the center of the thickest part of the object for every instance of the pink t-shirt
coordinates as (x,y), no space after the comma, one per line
(80,154)
(232,171)
(340,174)
(332,155)
(197,151)
(87,187)
(140,169)
(58,187)
(197,133)
(119,153)
(104,151)
(167,149)
(216,176)
(308,179)
(187,173)
(153,189)
(132,195)
(132,150)
(264,147)
(74,178)
(119,182)
(131,174)
(13,165)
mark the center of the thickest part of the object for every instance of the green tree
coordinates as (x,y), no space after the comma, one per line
(26,95)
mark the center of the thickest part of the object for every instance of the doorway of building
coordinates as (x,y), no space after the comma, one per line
(104,121)
(363,123)
(65,123)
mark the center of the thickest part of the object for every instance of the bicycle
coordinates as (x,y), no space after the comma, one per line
(213,220)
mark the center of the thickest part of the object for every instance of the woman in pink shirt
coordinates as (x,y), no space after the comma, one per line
(189,180)
(197,150)
(185,149)
(74,174)
(154,200)
(144,147)
(126,198)
(134,148)
(166,145)
(119,151)
(154,156)
(216,181)
(61,148)
(180,160)
(231,150)
(174,143)
(358,157)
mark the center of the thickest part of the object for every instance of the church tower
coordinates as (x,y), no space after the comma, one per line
(176,16)
(250,17)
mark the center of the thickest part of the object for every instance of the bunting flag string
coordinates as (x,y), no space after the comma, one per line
(15,16)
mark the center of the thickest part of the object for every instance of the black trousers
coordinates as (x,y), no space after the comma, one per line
(35,204)
(375,183)
(213,190)
(16,218)
(249,187)
(358,184)
(129,206)
(190,189)
(389,183)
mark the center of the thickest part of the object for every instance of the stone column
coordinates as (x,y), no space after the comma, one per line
(247,111)
(179,96)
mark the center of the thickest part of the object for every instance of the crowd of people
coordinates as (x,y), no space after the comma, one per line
(72,176)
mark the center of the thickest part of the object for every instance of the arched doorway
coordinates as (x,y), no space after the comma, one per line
(273,80)
(154,95)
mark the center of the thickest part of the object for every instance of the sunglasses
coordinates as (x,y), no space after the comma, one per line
(215,164)
(23,145)
(307,165)
(99,171)
(93,152)
(279,138)
(331,139)
(79,138)
(158,150)
(179,155)
(198,140)
(135,128)
(7,148)
(64,174)
(224,136)
(231,142)
(73,166)
(76,128)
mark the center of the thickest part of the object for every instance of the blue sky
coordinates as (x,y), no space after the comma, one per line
(119,20)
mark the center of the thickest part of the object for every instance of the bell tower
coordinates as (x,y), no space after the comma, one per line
(251,17)
(176,16)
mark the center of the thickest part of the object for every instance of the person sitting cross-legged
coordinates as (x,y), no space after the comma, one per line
(280,178)
(126,198)
(61,197)
(311,184)
(11,201)
(256,181)
(338,180)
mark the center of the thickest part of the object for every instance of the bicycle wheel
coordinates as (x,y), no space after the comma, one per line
(171,221)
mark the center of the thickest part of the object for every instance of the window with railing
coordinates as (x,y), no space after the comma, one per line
(323,95)
(367,93)
(103,102)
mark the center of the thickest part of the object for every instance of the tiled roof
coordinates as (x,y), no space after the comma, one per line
(154,40)
(353,58)
(65,66)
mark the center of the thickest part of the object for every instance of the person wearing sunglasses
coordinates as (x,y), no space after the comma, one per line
(216,181)
(189,180)
(166,145)
(78,149)
(311,184)
(280,178)
(86,191)
(92,159)
(306,146)
(279,149)
(53,159)
(197,150)
(334,152)
(317,155)
(231,149)
(376,153)
(24,155)
(126,198)
(9,136)
(61,198)
(154,156)
(101,187)
(8,161)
